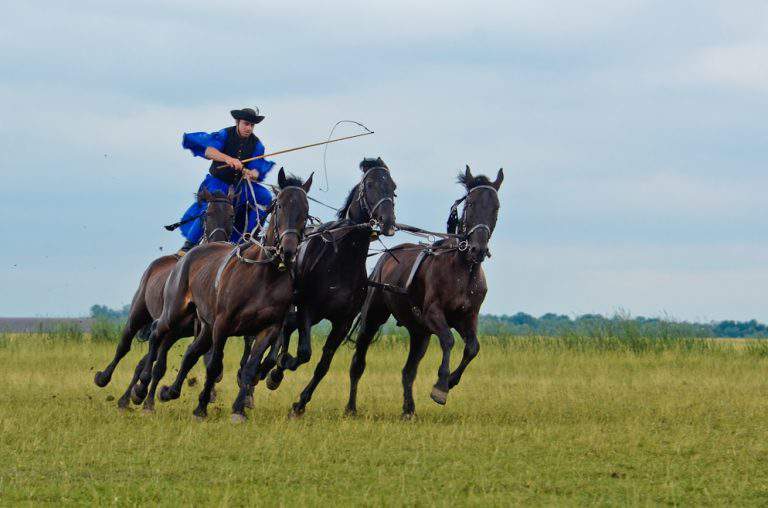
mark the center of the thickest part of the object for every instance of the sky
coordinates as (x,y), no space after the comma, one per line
(631,132)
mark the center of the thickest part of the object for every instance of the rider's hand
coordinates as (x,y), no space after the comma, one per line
(235,164)
(251,174)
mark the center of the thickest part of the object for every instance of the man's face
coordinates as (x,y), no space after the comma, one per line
(244,128)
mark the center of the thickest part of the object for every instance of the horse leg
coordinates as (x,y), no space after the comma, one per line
(339,330)
(302,322)
(289,326)
(248,341)
(213,371)
(199,346)
(436,321)
(136,322)
(250,373)
(271,360)
(284,358)
(304,348)
(419,343)
(206,362)
(374,315)
(159,334)
(471,349)
(124,401)
(158,371)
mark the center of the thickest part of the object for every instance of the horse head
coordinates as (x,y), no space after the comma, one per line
(481,209)
(290,212)
(373,199)
(219,214)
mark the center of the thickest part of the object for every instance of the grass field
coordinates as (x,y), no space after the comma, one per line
(535,421)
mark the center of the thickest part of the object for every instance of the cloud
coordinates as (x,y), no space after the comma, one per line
(740,66)
(613,155)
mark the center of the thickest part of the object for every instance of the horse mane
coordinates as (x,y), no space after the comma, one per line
(370,162)
(475,182)
(347,203)
(216,194)
(365,165)
(292,181)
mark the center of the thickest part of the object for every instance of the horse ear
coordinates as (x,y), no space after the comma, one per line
(308,184)
(468,178)
(499,179)
(204,195)
(281,178)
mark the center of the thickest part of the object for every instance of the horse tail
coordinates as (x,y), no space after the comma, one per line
(145,333)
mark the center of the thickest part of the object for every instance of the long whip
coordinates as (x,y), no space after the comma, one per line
(299,148)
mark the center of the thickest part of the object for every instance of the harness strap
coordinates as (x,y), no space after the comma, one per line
(221,268)
(387,287)
(415,268)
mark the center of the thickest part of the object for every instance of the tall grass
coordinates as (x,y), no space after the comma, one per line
(106,330)
(587,419)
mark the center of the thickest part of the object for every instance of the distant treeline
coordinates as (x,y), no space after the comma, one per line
(107,322)
(559,324)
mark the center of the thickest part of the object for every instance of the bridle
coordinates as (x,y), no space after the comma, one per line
(206,235)
(290,231)
(362,199)
(464,235)
(275,251)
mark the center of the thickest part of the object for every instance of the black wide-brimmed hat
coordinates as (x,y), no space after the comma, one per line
(247,114)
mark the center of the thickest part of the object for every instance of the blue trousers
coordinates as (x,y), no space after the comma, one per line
(260,199)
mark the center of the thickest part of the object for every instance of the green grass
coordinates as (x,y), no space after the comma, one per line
(535,421)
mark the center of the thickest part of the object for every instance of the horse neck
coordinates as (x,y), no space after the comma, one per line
(355,212)
(356,243)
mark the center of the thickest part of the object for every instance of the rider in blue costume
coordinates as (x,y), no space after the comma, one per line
(227,148)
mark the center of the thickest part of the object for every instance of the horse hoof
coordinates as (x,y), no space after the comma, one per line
(101,379)
(350,412)
(274,379)
(295,414)
(238,418)
(249,402)
(212,398)
(439,396)
(407,417)
(148,410)
(123,403)
(199,416)
(138,394)
(167,394)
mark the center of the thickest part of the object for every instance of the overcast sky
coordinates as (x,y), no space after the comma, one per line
(632,134)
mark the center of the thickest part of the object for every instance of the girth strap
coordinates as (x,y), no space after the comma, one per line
(412,275)
(387,287)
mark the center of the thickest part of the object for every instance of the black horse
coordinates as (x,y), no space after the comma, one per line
(147,303)
(431,290)
(331,274)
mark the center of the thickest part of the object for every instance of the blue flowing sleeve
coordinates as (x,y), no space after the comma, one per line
(263,166)
(197,142)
